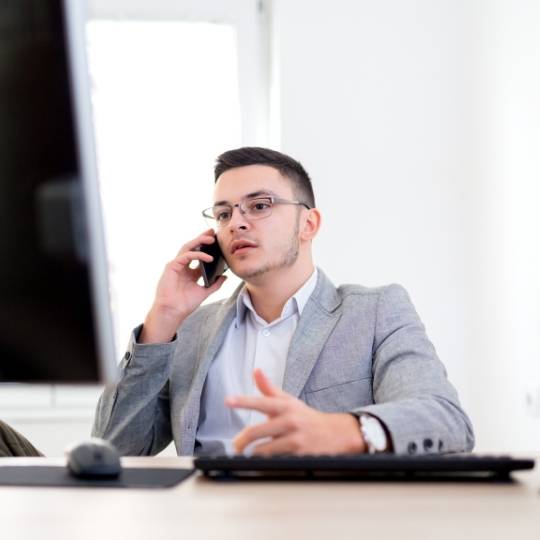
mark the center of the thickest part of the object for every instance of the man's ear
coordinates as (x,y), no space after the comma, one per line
(311,224)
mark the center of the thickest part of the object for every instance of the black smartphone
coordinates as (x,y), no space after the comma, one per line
(212,270)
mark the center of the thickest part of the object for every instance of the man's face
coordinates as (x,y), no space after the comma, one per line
(272,242)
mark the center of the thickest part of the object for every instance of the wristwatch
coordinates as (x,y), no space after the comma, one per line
(373,433)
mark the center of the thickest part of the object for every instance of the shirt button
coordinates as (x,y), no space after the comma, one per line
(266,333)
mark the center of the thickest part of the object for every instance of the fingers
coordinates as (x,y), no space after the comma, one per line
(290,421)
(273,428)
(265,386)
(267,405)
(184,259)
(191,252)
(195,273)
(216,285)
(280,446)
(207,237)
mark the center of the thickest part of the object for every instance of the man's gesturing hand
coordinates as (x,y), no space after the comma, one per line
(178,293)
(293,427)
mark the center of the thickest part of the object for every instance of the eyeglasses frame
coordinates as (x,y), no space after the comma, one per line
(243,209)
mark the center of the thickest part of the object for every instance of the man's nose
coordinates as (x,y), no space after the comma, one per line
(238,220)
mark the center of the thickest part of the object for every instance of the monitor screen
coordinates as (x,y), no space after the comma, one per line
(55,319)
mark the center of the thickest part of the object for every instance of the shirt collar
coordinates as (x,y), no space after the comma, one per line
(297,302)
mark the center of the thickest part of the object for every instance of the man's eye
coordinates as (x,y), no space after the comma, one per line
(259,206)
(223,216)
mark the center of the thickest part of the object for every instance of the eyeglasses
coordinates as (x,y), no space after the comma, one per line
(256,208)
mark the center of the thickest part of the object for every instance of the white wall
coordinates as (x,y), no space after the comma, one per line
(418,122)
(505,341)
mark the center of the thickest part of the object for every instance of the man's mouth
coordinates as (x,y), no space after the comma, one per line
(241,246)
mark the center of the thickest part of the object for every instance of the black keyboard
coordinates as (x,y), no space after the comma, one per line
(364,466)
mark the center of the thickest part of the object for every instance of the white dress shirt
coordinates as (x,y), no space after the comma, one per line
(250,343)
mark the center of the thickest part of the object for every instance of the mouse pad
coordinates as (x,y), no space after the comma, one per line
(136,477)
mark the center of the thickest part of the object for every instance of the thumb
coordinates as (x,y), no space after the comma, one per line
(216,285)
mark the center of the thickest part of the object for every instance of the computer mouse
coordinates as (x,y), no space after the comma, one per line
(93,458)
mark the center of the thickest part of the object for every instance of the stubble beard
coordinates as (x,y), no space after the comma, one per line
(288,258)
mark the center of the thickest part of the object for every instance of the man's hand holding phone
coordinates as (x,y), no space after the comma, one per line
(178,294)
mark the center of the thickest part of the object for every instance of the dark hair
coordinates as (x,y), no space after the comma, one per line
(287,166)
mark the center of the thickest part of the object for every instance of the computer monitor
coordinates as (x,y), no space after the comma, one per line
(55,316)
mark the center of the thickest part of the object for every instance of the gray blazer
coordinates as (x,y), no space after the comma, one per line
(355,349)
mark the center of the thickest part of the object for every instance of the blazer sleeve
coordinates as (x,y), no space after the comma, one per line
(134,414)
(412,395)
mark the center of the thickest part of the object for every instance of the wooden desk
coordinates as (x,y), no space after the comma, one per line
(202,509)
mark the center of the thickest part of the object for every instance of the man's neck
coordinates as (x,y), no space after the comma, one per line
(270,295)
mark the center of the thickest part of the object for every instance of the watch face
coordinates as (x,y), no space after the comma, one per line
(374,434)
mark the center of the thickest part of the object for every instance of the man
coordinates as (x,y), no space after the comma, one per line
(288,364)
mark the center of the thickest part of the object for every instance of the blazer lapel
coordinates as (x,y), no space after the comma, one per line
(210,344)
(316,323)
(217,332)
